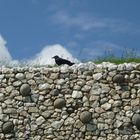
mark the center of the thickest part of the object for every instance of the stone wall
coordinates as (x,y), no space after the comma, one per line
(82,102)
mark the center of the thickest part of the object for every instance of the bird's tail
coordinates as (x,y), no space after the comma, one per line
(72,64)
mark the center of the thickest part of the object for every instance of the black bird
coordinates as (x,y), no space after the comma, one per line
(60,61)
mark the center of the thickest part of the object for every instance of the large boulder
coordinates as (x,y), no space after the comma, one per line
(7,127)
(25,90)
(85,117)
(119,78)
(59,103)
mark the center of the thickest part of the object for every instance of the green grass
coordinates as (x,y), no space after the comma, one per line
(127,56)
(117,60)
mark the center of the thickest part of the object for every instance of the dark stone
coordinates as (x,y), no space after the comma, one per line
(70,110)
(126,129)
(78,104)
(55,92)
(119,78)
(136,120)
(59,103)
(85,117)
(35,97)
(25,90)
(7,127)
(27,99)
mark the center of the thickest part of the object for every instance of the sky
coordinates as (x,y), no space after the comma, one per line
(75,29)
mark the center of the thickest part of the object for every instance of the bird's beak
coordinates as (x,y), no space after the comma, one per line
(52,57)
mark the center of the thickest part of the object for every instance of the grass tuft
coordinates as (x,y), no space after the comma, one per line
(128,56)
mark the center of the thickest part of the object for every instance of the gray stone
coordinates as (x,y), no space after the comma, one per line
(24,113)
(138,92)
(60,81)
(78,124)
(117,103)
(125,95)
(138,67)
(96,89)
(103,100)
(129,113)
(37,137)
(10,111)
(54,76)
(97,76)
(17,83)
(2,97)
(9,88)
(86,104)
(106,106)
(7,127)
(20,76)
(4,117)
(1,77)
(77,87)
(33,110)
(19,98)
(81,83)
(85,117)
(54,92)
(57,124)
(8,102)
(46,114)
(99,110)
(64,69)
(135,102)
(91,127)
(49,131)
(25,90)
(83,128)
(117,123)
(69,121)
(29,75)
(42,108)
(86,88)
(64,114)
(102,126)
(32,82)
(40,120)
(59,103)
(77,94)
(33,128)
(29,104)
(45,86)
(108,115)
(113,92)
(48,102)
(88,73)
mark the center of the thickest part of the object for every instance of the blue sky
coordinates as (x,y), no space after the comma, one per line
(86,28)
